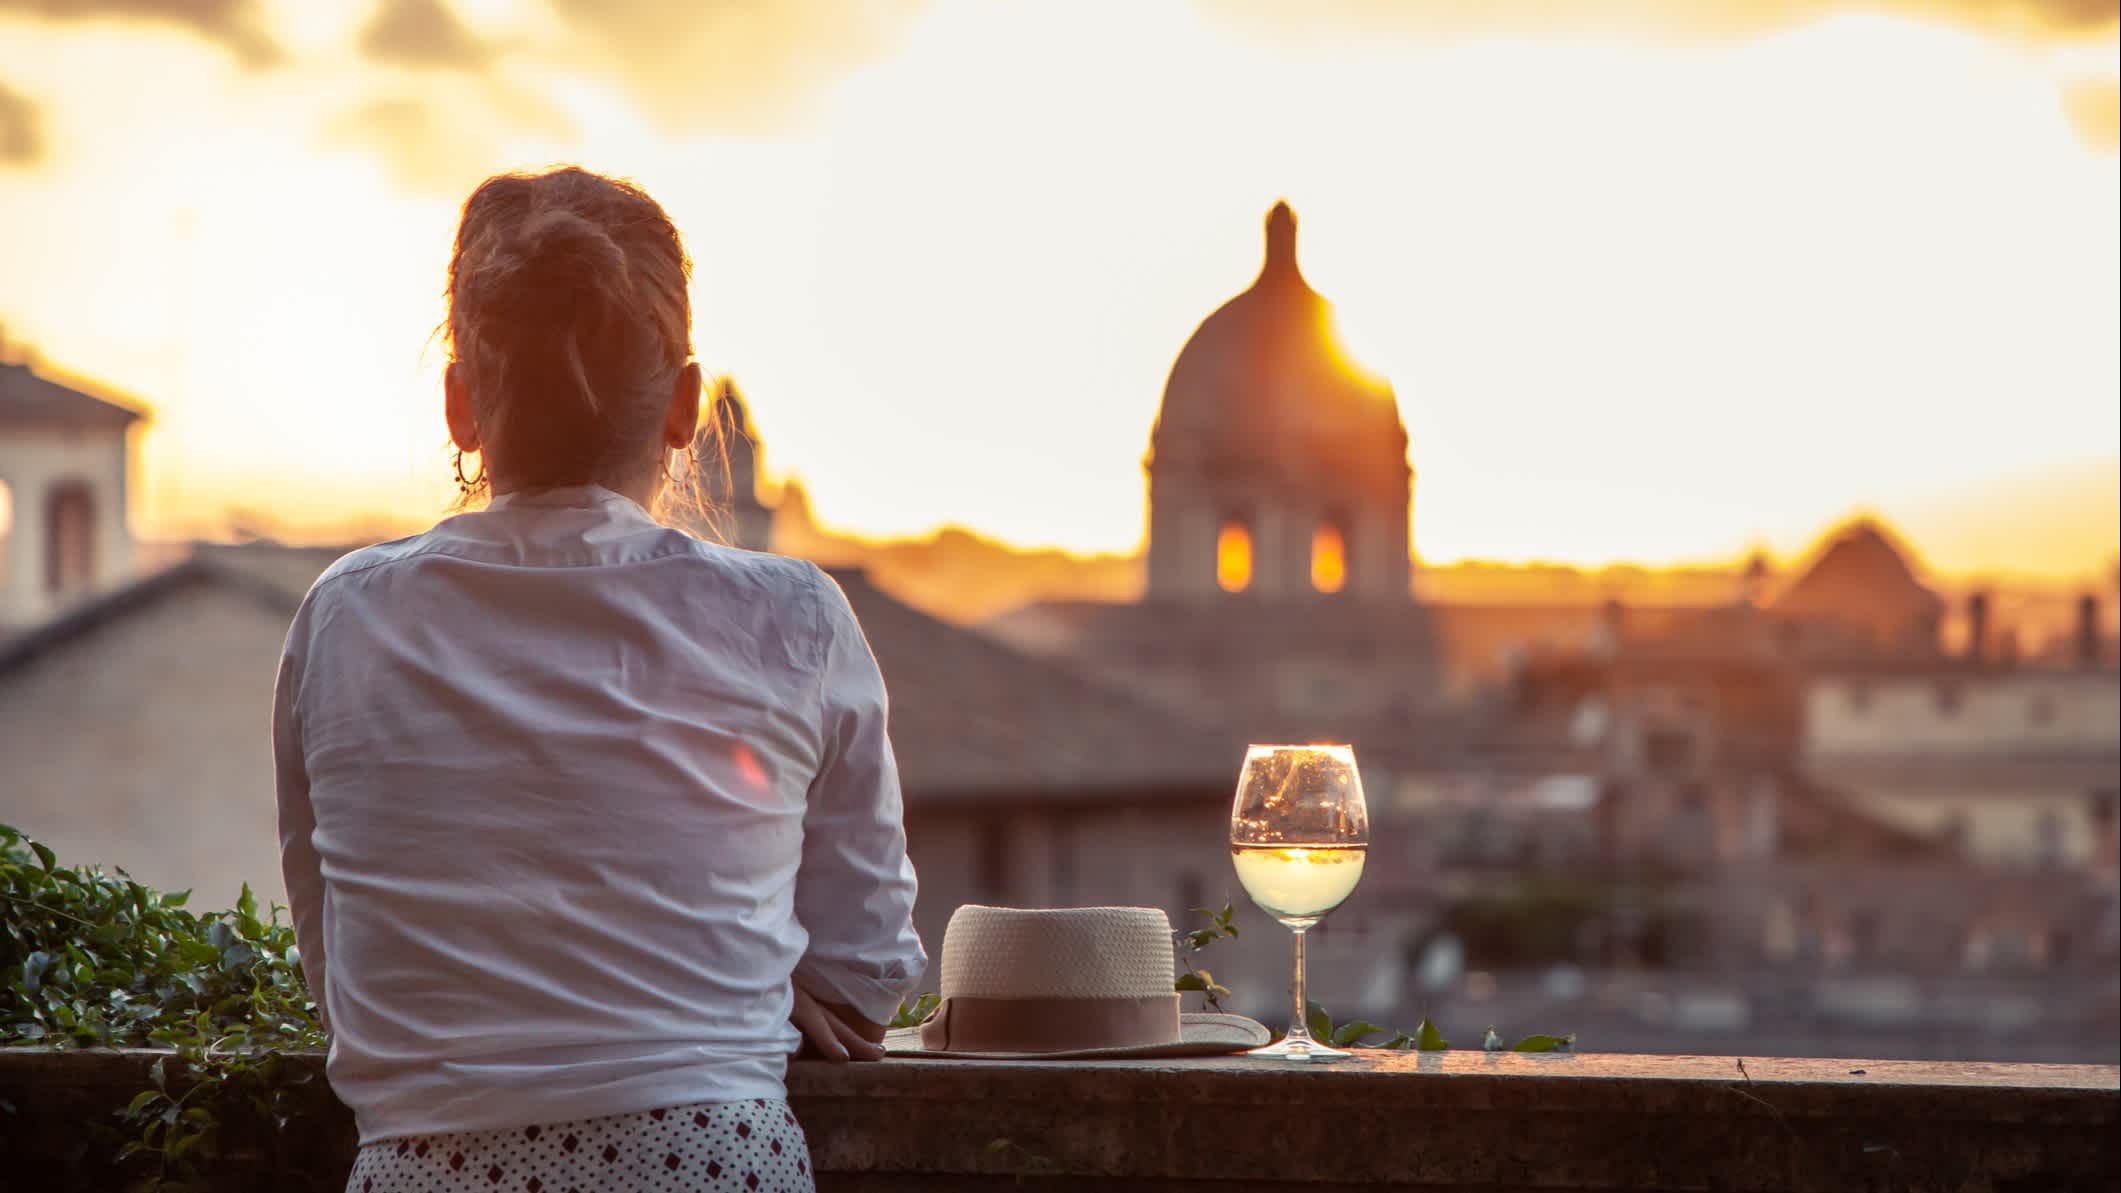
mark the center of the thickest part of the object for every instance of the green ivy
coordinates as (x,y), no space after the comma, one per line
(94,959)
(1359,1034)
(915,1013)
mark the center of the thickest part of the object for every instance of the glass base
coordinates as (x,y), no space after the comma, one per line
(1300,1051)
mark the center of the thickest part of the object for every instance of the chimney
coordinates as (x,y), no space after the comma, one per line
(2089,647)
(1613,621)
(1977,627)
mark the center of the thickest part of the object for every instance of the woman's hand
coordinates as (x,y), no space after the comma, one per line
(834,1031)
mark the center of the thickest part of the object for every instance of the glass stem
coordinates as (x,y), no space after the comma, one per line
(1299,1023)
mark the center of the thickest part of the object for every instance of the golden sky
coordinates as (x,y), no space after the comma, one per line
(1656,280)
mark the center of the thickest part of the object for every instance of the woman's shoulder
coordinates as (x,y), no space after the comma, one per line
(780,577)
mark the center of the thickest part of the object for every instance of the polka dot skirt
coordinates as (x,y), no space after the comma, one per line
(709,1147)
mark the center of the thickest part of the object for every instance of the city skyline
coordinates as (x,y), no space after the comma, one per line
(1649,291)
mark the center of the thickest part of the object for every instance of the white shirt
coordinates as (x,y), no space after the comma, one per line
(565,798)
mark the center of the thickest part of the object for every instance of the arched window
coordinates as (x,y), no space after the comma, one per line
(1329,559)
(1233,557)
(69,538)
(7,527)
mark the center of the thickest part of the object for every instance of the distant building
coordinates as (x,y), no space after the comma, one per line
(1279,602)
(1860,595)
(726,454)
(2013,765)
(63,483)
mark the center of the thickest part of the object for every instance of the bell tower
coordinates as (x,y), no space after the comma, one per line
(64,461)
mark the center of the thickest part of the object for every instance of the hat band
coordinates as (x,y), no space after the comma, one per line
(1051,1024)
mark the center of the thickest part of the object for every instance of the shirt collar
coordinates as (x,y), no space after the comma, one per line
(567,497)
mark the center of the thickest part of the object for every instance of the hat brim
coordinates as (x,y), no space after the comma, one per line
(1201,1033)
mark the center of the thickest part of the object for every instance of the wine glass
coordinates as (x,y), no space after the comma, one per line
(1298,833)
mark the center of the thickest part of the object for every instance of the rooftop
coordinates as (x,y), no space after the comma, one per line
(28,400)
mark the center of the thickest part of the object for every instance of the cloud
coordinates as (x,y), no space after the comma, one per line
(2041,19)
(21,129)
(233,24)
(425,149)
(738,65)
(445,138)
(2094,107)
(424,34)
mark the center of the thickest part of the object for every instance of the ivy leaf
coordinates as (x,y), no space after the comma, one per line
(1350,1033)
(1544,1044)
(1189,981)
(1428,1039)
(33,968)
(45,856)
(997,1145)
(1320,1023)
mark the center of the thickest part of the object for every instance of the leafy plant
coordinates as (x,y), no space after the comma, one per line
(1222,925)
(1426,1038)
(915,1013)
(88,958)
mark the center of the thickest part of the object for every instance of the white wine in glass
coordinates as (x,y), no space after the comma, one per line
(1299,832)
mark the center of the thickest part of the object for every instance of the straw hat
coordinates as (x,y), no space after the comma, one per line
(1065,983)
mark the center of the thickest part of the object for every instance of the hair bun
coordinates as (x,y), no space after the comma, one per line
(566,265)
(568,304)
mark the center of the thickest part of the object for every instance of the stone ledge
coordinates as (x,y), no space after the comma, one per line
(1440,1121)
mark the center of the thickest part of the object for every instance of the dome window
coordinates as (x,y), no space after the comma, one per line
(1329,559)
(1233,557)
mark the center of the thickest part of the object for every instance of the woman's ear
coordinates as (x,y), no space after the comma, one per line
(681,421)
(456,406)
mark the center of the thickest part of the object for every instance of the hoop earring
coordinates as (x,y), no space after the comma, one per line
(686,462)
(475,482)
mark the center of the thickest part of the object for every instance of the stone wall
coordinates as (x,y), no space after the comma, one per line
(1438,1121)
(145,744)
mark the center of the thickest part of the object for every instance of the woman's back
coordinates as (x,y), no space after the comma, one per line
(558,759)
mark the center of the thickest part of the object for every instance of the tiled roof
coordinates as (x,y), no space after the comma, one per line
(95,613)
(971,716)
(29,400)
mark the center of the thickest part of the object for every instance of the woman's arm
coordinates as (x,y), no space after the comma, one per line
(298,854)
(854,893)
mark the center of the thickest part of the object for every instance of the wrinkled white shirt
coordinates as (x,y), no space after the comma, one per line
(565,798)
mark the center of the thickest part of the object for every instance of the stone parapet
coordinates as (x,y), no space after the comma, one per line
(1437,1121)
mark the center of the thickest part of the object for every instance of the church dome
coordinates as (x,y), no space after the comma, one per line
(1267,368)
(1863,579)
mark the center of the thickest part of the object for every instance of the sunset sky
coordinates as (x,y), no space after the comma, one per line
(1656,280)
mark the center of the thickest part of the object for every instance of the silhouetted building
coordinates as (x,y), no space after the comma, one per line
(1861,595)
(1278,467)
(1278,601)
(726,451)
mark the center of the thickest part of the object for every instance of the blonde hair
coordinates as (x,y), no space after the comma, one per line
(571,314)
